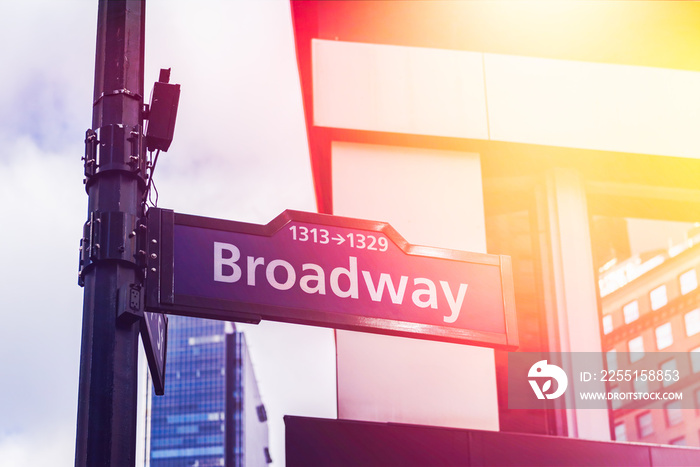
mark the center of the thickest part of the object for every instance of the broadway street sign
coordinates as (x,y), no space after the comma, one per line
(329,271)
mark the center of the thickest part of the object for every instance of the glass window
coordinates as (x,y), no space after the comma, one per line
(616,401)
(695,359)
(692,322)
(187,429)
(640,385)
(678,441)
(658,297)
(607,324)
(620,432)
(668,368)
(631,311)
(689,281)
(664,336)
(611,356)
(674,413)
(645,425)
(636,348)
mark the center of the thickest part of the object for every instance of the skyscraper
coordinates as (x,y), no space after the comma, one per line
(211,413)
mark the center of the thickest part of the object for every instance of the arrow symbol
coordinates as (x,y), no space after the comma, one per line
(339,238)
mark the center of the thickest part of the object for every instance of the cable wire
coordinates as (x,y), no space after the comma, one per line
(147,196)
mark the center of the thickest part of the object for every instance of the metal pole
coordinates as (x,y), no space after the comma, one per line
(110,263)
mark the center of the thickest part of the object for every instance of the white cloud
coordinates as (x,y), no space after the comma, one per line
(240,129)
(53,445)
(42,209)
(47,60)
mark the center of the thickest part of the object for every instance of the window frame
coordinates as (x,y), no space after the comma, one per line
(654,297)
(664,338)
(630,307)
(636,355)
(688,273)
(638,419)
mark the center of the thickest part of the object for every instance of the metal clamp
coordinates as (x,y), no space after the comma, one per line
(90,157)
(115,148)
(118,92)
(111,236)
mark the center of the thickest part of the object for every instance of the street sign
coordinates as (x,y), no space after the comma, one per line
(329,271)
(154,333)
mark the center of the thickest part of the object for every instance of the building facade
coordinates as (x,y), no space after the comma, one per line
(651,319)
(211,413)
(499,127)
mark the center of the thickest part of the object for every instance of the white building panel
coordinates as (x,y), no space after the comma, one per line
(416,190)
(506,98)
(593,105)
(433,198)
(399,89)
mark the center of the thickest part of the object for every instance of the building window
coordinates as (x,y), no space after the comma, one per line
(636,348)
(658,297)
(678,441)
(262,413)
(607,324)
(640,385)
(620,432)
(631,311)
(664,336)
(695,359)
(611,357)
(689,281)
(645,425)
(668,368)
(674,413)
(616,401)
(692,322)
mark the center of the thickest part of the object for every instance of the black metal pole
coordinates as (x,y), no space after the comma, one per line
(115,183)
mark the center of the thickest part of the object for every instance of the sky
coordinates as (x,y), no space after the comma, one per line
(239,153)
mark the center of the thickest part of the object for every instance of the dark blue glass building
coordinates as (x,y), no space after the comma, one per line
(211,413)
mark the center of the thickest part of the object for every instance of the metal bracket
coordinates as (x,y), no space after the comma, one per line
(90,157)
(130,304)
(115,148)
(141,235)
(153,257)
(112,236)
(136,162)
